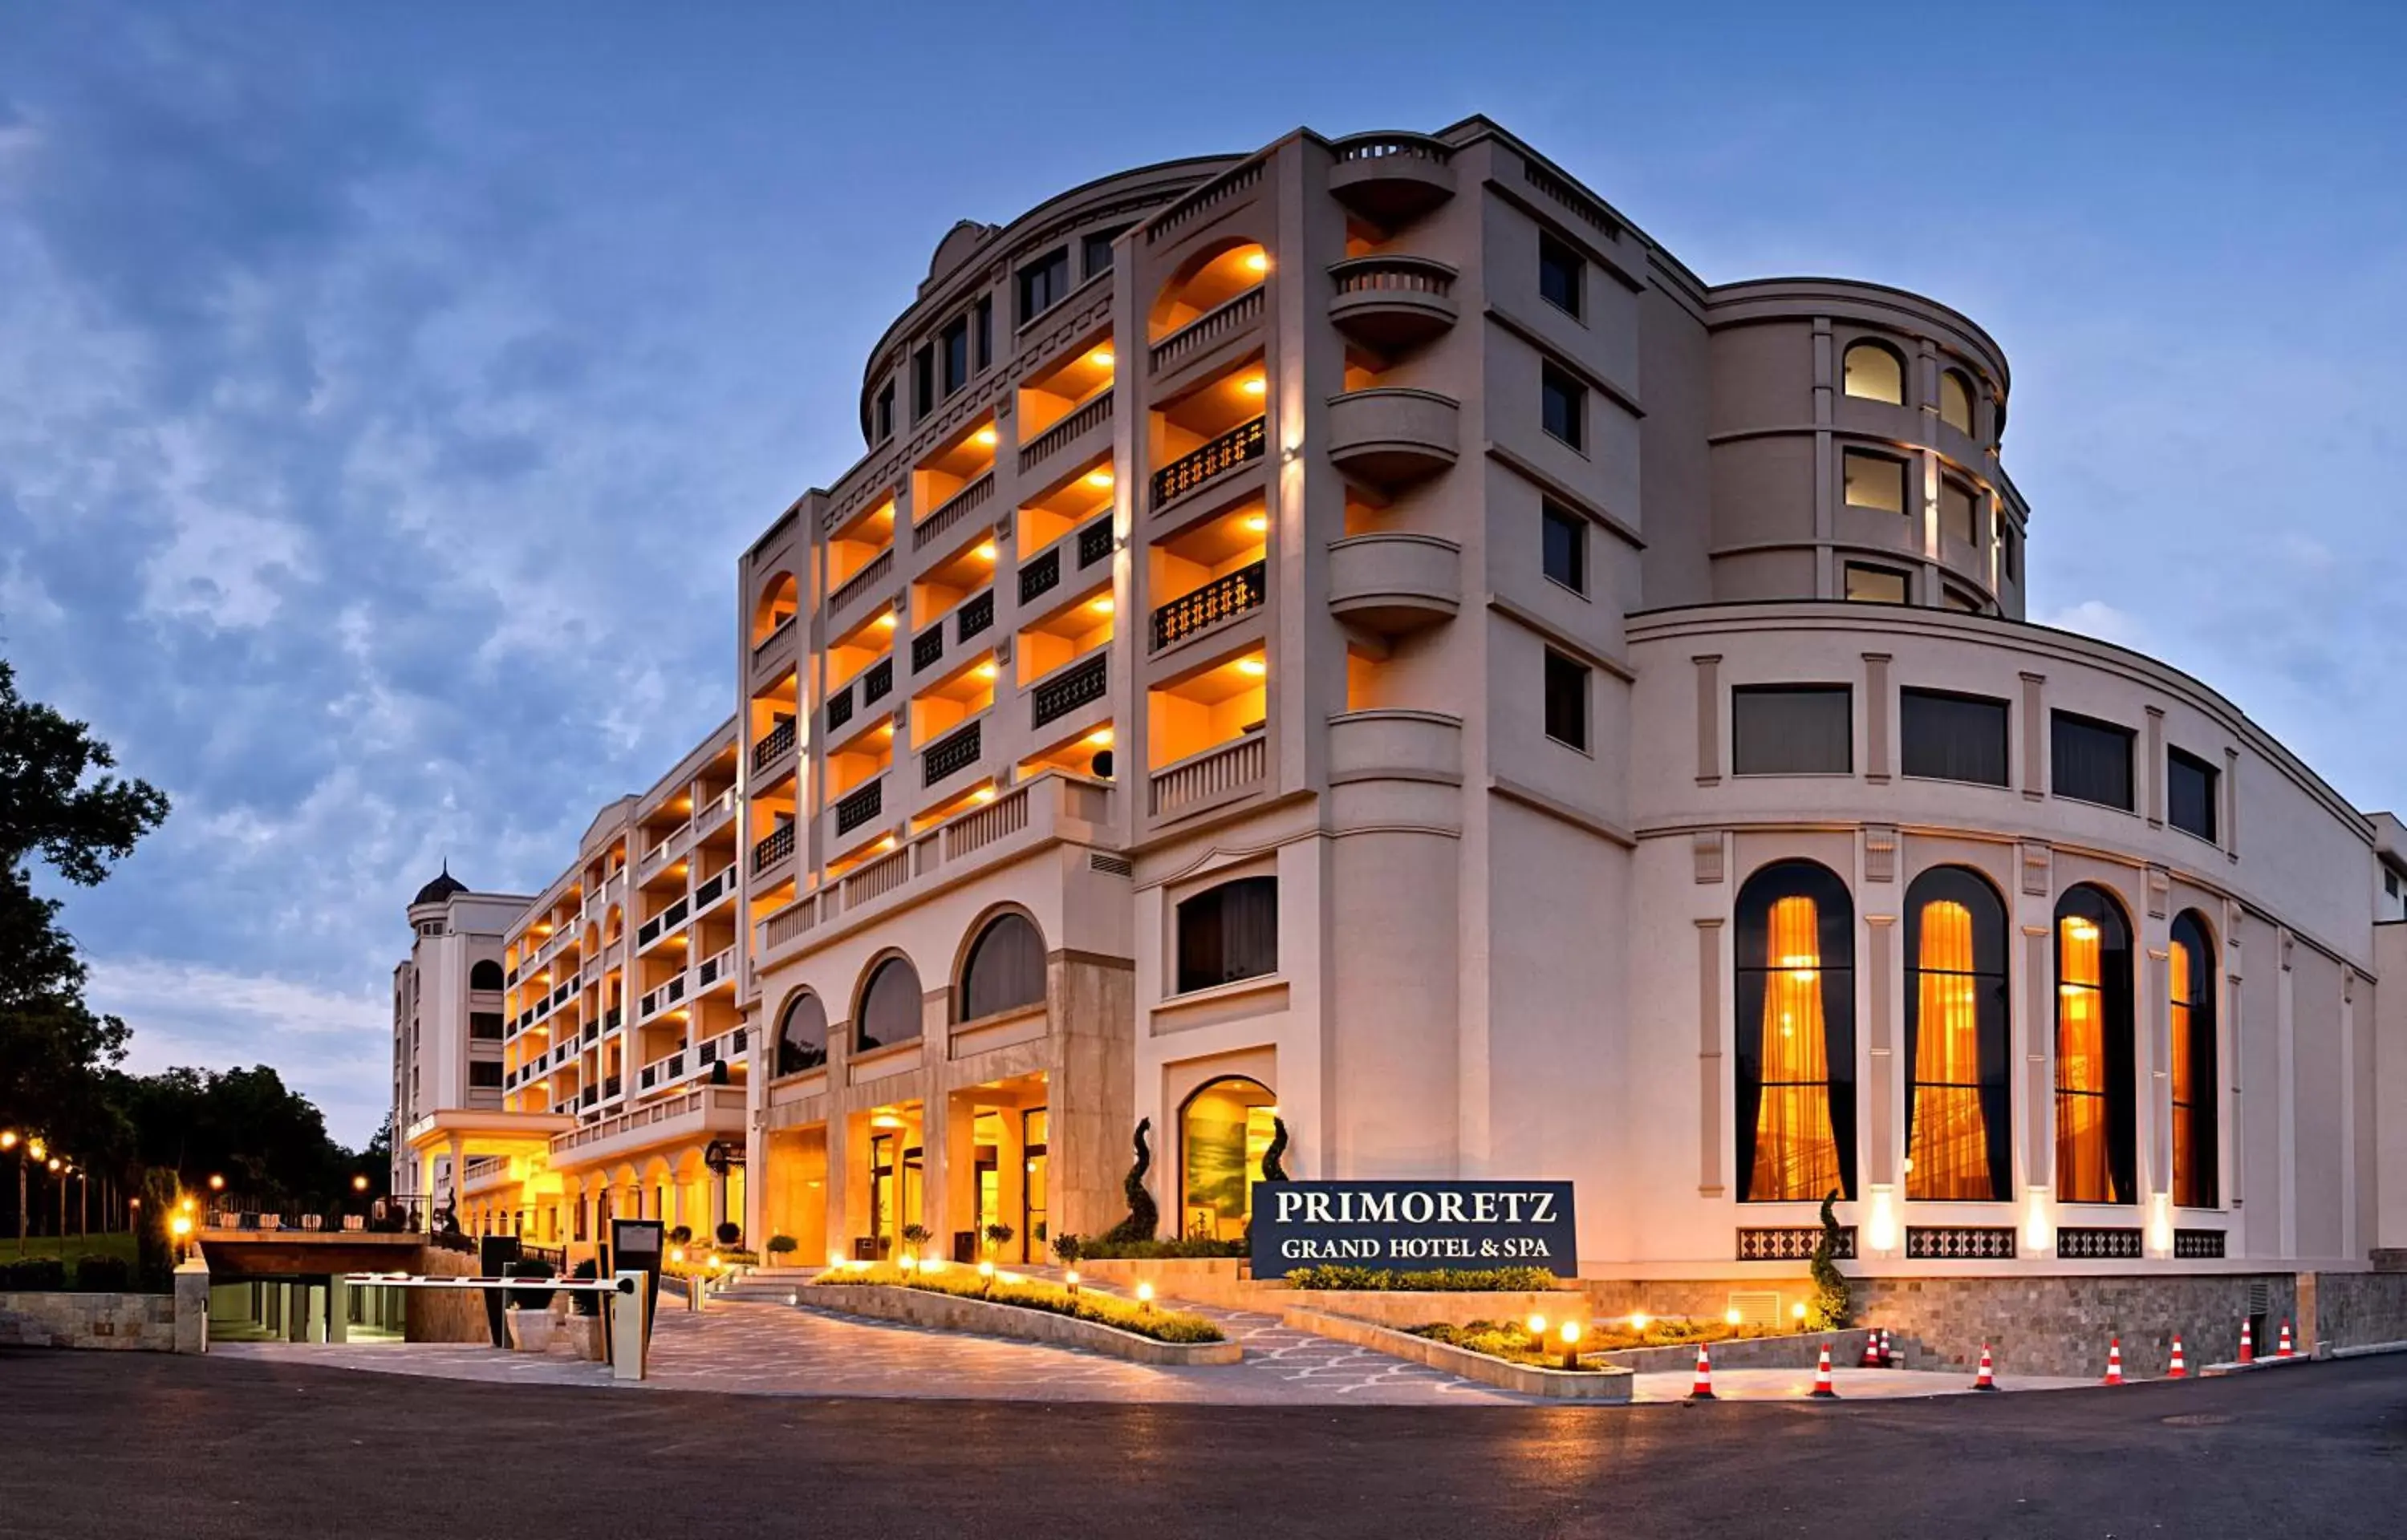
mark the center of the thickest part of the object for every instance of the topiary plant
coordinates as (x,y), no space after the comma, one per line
(1143,1219)
(915,1237)
(680,1236)
(997,1236)
(1274,1156)
(1067,1249)
(780,1245)
(1832,1308)
(585,1304)
(728,1233)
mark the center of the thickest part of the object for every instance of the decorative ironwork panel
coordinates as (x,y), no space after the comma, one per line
(878,682)
(775,848)
(839,707)
(927,647)
(860,807)
(780,741)
(1041,574)
(976,617)
(2198,1245)
(1961,1242)
(1239,445)
(1095,543)
(1071,689)
(2098,1243)
(1244,589)
(949,756)
(1792,1243)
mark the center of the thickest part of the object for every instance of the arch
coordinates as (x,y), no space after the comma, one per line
(1794,961)
(1224,1125)
(1210,277)
(1956,400)
(1959,1109)
(886,1012)
(1874,371)
(614,925)
(2191,979)
(485,974)
(778,605)
(1004,969)
(802,1034)
(2097,1155)
(1227,932)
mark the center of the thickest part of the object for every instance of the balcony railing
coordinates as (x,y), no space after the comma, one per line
(662,999)
(839,708)
(1186,210)
(1208,776)
(1070,688)
(727,1099)
(927,647)
(861,806)
(954,509)
(611,1086)
(1040,576)
(951,755)
(1189,613)
(774,745)
(774,849)
(975,615)
(878,682)
(708,893)
(881,566)
(714,968)
(1239,445)
(1051,441)
(1095,543)
(611,1018)
(1207,329)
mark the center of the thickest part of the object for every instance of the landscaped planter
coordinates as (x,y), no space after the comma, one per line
(956,1313)
(1795,1350)
(531,1331)
(1610,1385)
(1214,1280)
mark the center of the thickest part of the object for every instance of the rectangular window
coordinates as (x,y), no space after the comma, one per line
(1566,547)
(1792,729)
(485,1025)
(485,1075)
(2006,544)
(885,412)
(1876,584)
(1095,253)
(1566,700)
(1958,600)
(985,329)
(1959,514)
(2092,760)
(1562,404)
(1227,933)
(955,345)
(1874,482)
(2189,794)
(1042,284)
(923,383)
(1561,273)
(1947,737)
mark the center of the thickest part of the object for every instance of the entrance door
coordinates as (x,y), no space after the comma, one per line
(1032,1234)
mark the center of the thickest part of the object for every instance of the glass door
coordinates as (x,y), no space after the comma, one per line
(1034,1246)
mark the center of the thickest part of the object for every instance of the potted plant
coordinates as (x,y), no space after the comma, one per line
(917,1237)
(587,1332)
(530,1310)
(781,1247)
(728,1233)
(997,1238)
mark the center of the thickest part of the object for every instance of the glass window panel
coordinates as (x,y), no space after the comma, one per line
(1005,970)
(2095,1152)
(1959,512)
(1945,737)
(1559,273)
(1562,405)
(1956,402)
(1957,1115)
(1566,700)
(1876,584)
(1875,373)
(1222,1134)
(1566,547)
(890,1006)
(2190,971)
(2091,760)
(2189,793)
(801,1036)
(1794,1000)
(1227,933)
(1792,729)
(1874,481)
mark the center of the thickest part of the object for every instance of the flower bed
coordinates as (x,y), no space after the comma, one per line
(1337,1276)
(1511,1340)
(1160,1325)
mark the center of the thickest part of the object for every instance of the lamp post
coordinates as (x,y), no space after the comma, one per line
(9,1140)
(59,1168)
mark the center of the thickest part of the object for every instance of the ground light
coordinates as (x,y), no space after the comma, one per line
(1144,1295)
(1570,1336)
(1070,1280)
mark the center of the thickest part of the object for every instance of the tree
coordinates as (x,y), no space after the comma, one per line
(54,806)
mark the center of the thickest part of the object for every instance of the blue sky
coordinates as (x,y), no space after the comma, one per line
(386,390)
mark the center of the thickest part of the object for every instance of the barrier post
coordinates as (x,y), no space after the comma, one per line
(629,1333)
(338,1308)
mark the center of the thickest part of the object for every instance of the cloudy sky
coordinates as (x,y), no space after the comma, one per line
(386,390)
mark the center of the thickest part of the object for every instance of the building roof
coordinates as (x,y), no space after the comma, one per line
(441,888)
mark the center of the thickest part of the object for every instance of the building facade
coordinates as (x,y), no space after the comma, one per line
(448,1023)
(1357,638)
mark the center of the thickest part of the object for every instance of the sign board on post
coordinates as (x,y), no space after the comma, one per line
(1414,1226)
(637,1246)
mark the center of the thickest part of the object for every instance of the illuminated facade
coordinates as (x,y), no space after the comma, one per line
(1357,639)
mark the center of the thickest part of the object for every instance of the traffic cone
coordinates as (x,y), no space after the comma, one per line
(2284,1350)
(1871,1350)
(1704,1389)
(2179,1370)
(2247,1346)
(1823,1388)
(1987,1378)
(2114,1361)
(1889,1352)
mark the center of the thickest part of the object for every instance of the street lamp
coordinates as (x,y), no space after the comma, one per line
(216,1183)
(360,1183)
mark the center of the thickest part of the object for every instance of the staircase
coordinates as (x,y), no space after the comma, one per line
(769,1285)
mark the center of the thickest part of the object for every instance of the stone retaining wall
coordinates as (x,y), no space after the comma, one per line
(445,1315)
(1608,1384)
(1794,1351)
(954,1313)
(125,1323)
(2357,1309)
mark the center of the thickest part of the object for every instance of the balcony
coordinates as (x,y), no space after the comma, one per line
(1218,774)
(859,807)
(773,747)
(1391,177)
(1395,584)
(1086,420)
(1214,326)
(1392,303)
(1067,690)
(975,615)
(928,649)
(657,1000)
(775,847)
(718,968)
(951,755)
(702,1109)
(961,505)
(878,683)
(719,885)
(1390,436)
(1239,445)
(880,568)
(1041,577)
(1193,614)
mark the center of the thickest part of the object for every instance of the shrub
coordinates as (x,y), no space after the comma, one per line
(1442,1280)
(780,1245)
(584,1303)
(728,1233)
(1508,1339)
(530,1299)
(34,1275)
(97,1275)
(1068,1249)
(915,1237)
(1161,1325)
(1105,1248)
(680,1236)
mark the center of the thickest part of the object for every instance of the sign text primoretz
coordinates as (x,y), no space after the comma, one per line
(1413,1225)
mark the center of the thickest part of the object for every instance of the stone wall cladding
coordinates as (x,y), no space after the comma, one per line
(120,1322)
(445,1315)
(2361,1309)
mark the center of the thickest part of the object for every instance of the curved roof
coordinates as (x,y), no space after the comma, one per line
(444,885)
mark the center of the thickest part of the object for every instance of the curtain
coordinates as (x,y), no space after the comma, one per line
(1791,731)
(2091,761)
(2084,1174)
(2185,1082)
(1950,1145)
(1796,1150)
(1953,737)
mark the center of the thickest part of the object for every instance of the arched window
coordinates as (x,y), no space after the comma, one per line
(1005,970)
(802,1035)
(1227,933)
(778,607)
(1222,1132)
(1956,400)
(484,975)
(1203,282)
(889,1006)
(2096,1150)
(1958,1121)
(2190,965)
(1874,371)
(1796,1001)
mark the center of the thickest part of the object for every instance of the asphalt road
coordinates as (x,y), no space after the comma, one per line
(137,1445)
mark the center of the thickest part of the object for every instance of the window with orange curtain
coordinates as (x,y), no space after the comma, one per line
(2094,1155)
(1795,1034)
(1956,1115)
(2190,969)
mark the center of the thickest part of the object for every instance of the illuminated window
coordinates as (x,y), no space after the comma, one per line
(802,1035)
(1958,1117)
(1228,932)
(1956,400)
(1223,1130)
(1876,584)
(1005,970)
(1876,371)
(1959,512)
(2096,1155)
(1873,481)
(1796,1079)
(2190,968)
(889,1006)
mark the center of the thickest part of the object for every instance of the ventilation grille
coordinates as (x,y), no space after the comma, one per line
(1756,1307)
(1117,865)
(2260,1299)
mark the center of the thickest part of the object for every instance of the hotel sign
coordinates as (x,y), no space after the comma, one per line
(1414,1226)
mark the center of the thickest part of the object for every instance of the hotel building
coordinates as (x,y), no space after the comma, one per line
(1359,636)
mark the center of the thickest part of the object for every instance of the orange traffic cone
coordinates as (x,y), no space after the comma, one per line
(1871,1350)
(2179,1370)
(2284,1350)
(2247,1346)
(1823,1388)
(2114,1361)
(1888,1352)
(1704,1389)
(1987,1378)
